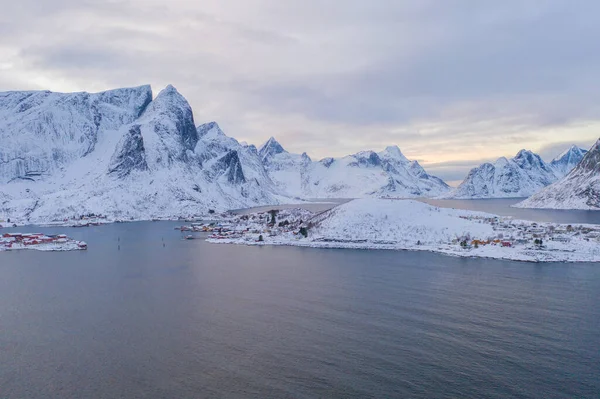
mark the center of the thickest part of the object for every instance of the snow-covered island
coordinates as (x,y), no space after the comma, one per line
(39,242)
(413,225)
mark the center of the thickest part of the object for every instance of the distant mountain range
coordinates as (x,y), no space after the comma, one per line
(580,189)
(125,155)
(385,174)
(521,176)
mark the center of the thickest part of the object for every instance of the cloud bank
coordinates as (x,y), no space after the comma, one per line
(453,83)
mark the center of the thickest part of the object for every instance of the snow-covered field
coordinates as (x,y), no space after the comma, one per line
(411,225)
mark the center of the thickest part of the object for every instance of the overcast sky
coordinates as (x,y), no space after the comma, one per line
(451,82)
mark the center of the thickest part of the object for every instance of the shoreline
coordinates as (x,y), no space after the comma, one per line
(515,257)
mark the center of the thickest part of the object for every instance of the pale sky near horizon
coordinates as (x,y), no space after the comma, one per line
(453,83)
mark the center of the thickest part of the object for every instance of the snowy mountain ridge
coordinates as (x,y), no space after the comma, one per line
(364,174)
(521,176)
(122,155)
(579,189)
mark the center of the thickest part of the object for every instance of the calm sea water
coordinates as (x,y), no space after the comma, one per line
(503,207)
(162,317)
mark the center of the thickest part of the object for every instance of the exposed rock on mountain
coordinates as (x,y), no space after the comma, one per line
(129,155)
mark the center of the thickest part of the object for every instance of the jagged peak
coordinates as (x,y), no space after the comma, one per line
(169,99)
(526,159)
(524,153)
(573,150)
(393,152)
(169,91)
(271,147)
(210,130)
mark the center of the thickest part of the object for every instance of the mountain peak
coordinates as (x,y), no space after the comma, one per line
(524,153)
(170,119)
(527,159)
(393,152)
(169,91)
(568,160)
(169,99)
(210,130)
(270,148)
(571,151)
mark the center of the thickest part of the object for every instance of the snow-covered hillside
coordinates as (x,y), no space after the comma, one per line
(398,221)
(521,176)
(580,189)
(375,223)
(385,174)
(123,156)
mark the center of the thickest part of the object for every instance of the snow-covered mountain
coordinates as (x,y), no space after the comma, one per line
(385,174)
(580,189)
(566,162)
(125,155)
(288,171)
(227,161)
(41,131)
(521,176)
(119,154)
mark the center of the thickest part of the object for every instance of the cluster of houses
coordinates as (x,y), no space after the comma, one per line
(515,232)
(10,241)
(254,226)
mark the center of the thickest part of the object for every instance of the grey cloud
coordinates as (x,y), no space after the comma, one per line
(429,75)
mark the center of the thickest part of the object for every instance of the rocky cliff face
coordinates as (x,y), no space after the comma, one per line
(130,154)
(169,130)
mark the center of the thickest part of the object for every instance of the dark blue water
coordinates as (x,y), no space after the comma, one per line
(195,320)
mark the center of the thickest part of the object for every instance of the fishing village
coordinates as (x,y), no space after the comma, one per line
(40,242)
(465,233)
